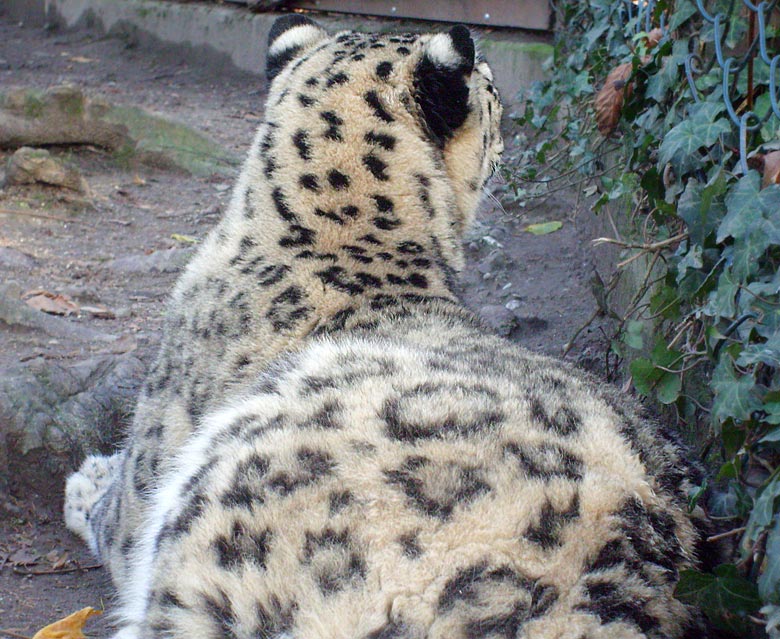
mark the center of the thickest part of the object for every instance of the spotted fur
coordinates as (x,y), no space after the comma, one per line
(329,445)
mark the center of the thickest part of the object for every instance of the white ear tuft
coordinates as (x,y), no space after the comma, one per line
(290,36)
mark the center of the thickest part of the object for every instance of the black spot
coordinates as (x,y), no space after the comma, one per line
(403,50)
(435,489)
(383,140)
(336,79)
(386,223)
(338,180)
(272,274)
(372,99)
(338,278)
(221,612)
(338,501)
(410,247)
(312,82)
(610,603)
(384,69)
(299,236)
(169,599)
(301,142)
(564,422)
(333,559)
(242,547)
(410,546)
(305,100)
(350,211)
(383,204)
(376,167)
(545,461)
(326,417)
(333,131)
(330,215)
(357,253)
(368,280)
(547,532)
(281,206)
(309,181)
(371,239)
(313,465)
(287,309)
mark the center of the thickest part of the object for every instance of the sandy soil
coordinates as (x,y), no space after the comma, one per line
(533,289)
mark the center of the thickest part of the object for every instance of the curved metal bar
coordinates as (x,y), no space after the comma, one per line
(725,88)
(689,71)
(700,6)
(773,88)
(762,12)
(718,33)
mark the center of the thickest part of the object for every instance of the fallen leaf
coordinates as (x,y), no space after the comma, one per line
(544,227)
(81,59)
(52,303)
(61,562)
(654,37)
(138,180)
(68,628)
(771,168)
(99,311)
(184,239)
(610,99)
(24,557)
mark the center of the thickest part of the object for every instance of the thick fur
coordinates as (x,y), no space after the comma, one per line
(329,445)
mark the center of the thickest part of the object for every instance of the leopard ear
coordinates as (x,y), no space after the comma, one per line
(288,37)
(440,81)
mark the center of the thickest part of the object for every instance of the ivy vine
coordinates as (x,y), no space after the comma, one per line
(701,334)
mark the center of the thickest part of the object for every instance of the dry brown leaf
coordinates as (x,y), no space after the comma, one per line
(99,311)
(68,628)
(52,303)
(654,37)
(610,99)
(771,168)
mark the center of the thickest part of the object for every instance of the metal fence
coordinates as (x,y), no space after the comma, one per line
(739,65)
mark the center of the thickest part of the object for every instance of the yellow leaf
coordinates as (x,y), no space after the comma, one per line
(69,627)
(544,228)
(184,239)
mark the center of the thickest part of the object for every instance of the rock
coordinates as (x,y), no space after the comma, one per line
(51,414)
(31,166)
(13,258)
(14,311)
(499,318)
(166,261)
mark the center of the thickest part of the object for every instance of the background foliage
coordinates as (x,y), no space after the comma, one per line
(701,333)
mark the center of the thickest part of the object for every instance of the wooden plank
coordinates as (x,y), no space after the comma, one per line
(525,14)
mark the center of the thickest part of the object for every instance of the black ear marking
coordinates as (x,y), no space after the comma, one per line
(440,81)
(289,35)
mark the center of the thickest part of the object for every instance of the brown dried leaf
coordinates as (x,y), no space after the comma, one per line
(610,99)
(654,37)
(68,628)
(24,557)
(52,303)
(771,168)
(99,311)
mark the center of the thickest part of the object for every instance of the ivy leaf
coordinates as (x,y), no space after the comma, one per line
(681,145)
(725,597)
(768,353)
(702,208)
(734,396)
(764,508)
(769,582)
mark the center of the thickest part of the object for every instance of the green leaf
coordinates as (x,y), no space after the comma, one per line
(764,508)
(769,582)
(768,353)
(643,374)
(725,597)
(544,228)
(735,396)
(633,335)
(668,388)
(681,144)
(702,207)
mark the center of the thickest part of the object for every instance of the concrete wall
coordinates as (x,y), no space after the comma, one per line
(231,35)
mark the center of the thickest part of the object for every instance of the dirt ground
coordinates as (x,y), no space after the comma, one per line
(533,289)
